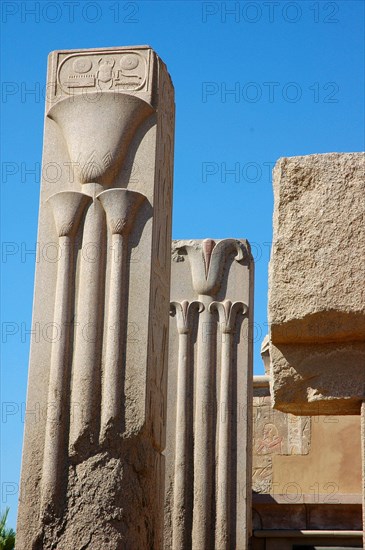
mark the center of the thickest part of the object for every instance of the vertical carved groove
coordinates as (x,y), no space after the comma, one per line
(184,312)
(227,320)
(121,206)
(67,210)
(86,364)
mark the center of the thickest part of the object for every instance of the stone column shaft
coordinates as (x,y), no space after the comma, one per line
(223,466)
(67,209)
(111,404)
(86,381)
(227,321)
(57,385)
(181,446)
(203,431)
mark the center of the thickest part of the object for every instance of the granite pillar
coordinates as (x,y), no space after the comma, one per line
(209,415)
(93,469)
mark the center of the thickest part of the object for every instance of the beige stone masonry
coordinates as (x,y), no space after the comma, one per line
(317,284)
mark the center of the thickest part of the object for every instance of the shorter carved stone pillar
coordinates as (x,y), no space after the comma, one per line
(208,453)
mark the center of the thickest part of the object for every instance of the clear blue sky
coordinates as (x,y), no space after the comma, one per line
(254,81)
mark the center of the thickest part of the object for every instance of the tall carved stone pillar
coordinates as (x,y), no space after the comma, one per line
(93,470)
(208,453)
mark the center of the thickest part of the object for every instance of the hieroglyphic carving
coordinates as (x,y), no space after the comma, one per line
(298,435)
(119,71)
(275,433)
(158,350)
(161,243)
(262,474)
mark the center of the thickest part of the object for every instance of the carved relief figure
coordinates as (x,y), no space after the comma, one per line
(271,442)
(105,72)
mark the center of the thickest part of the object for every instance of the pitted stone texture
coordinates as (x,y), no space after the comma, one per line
(314,379)
(316,285)
(103,494)
(317,267)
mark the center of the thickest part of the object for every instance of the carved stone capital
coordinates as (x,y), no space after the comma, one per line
(208,259)
(67,208)
(184,314)
(228,312)
(121,206)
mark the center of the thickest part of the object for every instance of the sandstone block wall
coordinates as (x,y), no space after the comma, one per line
(316,284)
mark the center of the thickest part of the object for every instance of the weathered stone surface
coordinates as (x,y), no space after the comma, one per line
(317,267)
(318,378)
(208,451)
(93,470)
(316,284)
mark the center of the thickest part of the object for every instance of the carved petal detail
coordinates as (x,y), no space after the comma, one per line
(228,312)
(184,311)
(118,225)
(208,246)
(208,260)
